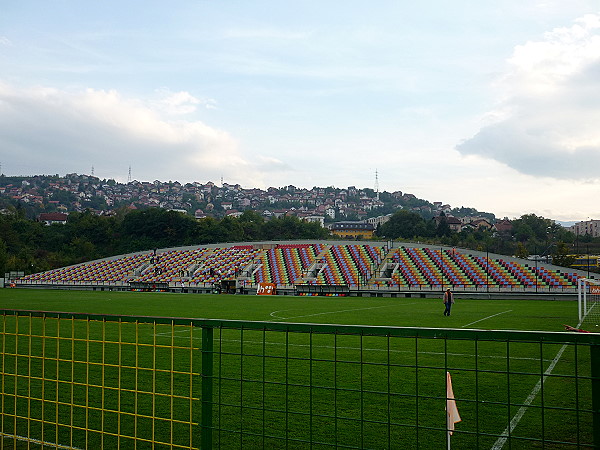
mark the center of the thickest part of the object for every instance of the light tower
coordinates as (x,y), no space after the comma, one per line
(129,175)
(376,185)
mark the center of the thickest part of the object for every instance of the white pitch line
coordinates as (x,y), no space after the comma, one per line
(331,347)
(485,318)
(521,412)
(175,333)
(37,441)
(330,312)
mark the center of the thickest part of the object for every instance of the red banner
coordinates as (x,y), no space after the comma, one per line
(594,289)
(265,289)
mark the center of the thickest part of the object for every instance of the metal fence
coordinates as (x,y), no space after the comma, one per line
(99,381)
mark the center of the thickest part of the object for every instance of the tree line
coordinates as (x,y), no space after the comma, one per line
(530,235)
(30,246)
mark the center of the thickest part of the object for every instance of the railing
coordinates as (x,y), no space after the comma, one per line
(98,381)
(381,287)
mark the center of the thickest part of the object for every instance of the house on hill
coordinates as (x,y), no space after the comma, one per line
(453,223)
(503,226)
(52,218)
(482,223)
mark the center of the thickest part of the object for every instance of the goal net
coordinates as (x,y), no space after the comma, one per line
(588,293)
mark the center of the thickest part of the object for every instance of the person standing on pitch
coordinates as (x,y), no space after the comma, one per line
(448,300)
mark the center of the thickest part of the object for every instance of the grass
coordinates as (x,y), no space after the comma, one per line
(409,312)
(106,384)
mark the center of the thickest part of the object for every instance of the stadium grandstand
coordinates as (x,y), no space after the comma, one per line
(314,268)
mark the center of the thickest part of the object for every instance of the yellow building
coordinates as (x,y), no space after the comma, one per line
(353,230)
(583,262)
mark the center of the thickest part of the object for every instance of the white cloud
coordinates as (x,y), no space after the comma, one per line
(181,103)
(5,41)
(550,106)
(52,131)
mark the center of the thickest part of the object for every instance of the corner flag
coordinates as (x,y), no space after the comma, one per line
(452,415)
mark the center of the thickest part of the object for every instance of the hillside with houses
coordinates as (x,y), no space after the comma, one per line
(76,193)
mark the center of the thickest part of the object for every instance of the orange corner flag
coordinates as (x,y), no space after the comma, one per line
(452,415)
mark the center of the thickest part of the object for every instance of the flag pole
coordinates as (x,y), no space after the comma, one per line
(448,389)
(448,433)
(452,415)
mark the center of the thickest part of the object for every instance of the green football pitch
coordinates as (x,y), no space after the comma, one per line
(518,314)
(133,384)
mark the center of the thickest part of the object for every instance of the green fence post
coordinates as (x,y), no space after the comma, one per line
(207,388)
(595,360)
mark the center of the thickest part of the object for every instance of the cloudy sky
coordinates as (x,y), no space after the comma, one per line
(492,105)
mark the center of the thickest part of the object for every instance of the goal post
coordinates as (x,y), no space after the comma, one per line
(588,296)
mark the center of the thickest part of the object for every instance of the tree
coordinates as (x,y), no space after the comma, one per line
(561,256)
(530,227)
(521,251)
(155,227)
(290,227)
(64,197)
(252,224)
(82,250)
(207,231)
(231,230)
(96,202)
(3,257)
(97,229)
(443,229)
(404,224)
